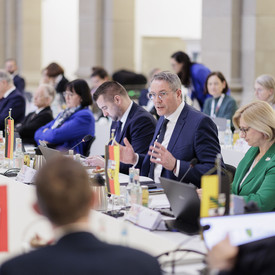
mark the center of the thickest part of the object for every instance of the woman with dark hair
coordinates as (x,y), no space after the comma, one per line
(54,74)
(192,75)
(220,104)
(75,122)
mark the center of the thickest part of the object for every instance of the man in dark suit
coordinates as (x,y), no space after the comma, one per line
(65,197)
(189,134)
(129,120)
(43,98)
(10,97)
(18,81)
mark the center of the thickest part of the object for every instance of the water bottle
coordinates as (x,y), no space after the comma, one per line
(2,150)
(136,191)
(18,158)
(228,135)
(129,186)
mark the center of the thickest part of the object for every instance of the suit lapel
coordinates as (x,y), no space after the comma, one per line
(178,128)
(259,167)
(127,122)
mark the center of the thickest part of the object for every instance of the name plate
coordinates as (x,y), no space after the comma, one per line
(144,217)
(26,175)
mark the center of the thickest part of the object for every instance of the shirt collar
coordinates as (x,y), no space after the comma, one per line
(174,116)
(126,113)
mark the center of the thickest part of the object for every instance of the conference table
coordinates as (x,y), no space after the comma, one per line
(24,223)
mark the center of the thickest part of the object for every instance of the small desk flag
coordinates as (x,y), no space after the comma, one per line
(3,219)
(9,136)
(112,169)
(210,194)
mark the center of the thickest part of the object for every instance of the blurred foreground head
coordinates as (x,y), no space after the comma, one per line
(63,191)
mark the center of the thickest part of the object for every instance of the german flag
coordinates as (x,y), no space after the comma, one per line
(3,219)
(9,136)
(112,169)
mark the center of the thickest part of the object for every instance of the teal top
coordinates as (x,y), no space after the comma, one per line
(226,110)
(259,185)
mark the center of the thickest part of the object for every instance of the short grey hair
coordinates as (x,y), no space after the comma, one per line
(171,78)
(49,90)
(268,82)
(4,75)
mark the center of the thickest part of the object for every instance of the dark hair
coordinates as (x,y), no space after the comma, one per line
(54,69)
(109,89)
(222,79)
(80,86)
(184,74)
(100,72)
(63,190)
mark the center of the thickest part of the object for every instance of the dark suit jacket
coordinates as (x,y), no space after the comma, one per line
(139,129)
(81,253)
(32,122)
(19,83)
(255,258)
(195,136)
(16,101)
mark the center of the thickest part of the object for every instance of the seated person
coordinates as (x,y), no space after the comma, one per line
(129,120)
(98,77)
(264,88)
(221,104)
(252,259)
(18,81)
(182,134)
(255,175)
(10,98)
(75,122)
(43,98)
(65,197)
(54,74)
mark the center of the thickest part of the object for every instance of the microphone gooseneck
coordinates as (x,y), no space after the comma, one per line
(85,139)
(193,162)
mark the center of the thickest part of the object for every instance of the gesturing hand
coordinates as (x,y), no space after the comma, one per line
(162,156)
(127,153)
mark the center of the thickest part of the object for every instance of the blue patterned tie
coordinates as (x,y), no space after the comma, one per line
(118,130)
(116,126)
(159,140)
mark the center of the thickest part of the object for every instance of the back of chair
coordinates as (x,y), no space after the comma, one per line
(88,147)
(230,169)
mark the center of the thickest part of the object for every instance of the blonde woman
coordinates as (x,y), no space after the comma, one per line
(255,174)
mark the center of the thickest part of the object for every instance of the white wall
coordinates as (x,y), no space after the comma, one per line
(60,34)
(177,18)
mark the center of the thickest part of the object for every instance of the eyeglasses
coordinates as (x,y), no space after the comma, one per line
(69,94)
(244,130)
(161,95)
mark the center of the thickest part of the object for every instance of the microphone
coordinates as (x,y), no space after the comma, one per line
(85,139)
(193,162)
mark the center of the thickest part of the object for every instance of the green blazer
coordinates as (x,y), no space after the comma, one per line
(259,186)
